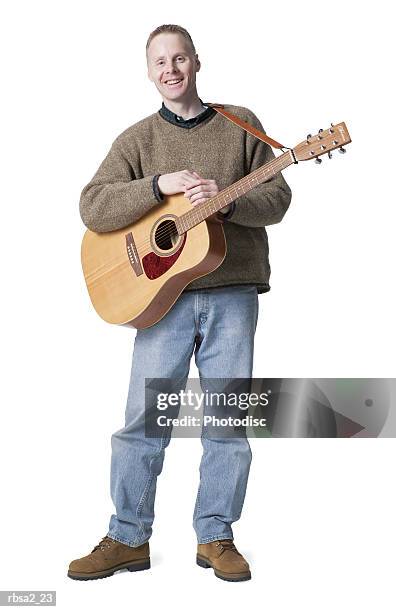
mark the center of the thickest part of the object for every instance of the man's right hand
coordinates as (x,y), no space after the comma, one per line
(176,182)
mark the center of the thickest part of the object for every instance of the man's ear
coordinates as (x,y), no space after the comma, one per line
(197,63)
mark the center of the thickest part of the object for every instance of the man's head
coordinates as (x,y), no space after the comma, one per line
(172,63)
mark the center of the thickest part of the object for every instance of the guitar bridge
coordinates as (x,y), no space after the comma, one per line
(133,254)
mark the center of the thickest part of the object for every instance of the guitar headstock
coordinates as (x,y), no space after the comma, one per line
(322,143)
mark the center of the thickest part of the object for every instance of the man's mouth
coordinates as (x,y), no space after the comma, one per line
(173,82)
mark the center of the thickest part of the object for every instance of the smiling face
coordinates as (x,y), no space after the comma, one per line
(172,66)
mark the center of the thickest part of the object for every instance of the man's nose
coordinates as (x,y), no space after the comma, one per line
(170,67)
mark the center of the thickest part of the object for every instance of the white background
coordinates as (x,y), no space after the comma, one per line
(317,526)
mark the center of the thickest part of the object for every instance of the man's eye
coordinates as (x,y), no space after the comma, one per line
(180,58)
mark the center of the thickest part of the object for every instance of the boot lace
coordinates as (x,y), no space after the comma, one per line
(103,544)
(224,545)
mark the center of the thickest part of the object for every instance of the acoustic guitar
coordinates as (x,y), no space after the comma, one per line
(134,275)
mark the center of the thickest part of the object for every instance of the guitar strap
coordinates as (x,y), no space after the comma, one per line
(245,126)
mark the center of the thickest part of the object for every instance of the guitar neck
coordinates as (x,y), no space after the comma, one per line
(199,213)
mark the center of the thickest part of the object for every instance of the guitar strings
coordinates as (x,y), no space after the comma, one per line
(275,166)
(165,230)
(240,183)
(165,233)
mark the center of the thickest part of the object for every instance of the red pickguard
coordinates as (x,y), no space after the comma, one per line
(155,266)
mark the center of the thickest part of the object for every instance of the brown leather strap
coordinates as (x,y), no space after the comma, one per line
(244,125)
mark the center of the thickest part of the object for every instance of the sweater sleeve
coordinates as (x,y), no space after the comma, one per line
(115,198)
(268,202)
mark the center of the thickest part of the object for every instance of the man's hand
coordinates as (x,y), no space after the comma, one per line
(197,189)
(201,190)
(176,182)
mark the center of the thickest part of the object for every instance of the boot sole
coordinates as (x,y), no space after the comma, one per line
(131,567)
(205,563)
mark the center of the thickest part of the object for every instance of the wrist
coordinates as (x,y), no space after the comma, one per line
(159,196)
(227,211)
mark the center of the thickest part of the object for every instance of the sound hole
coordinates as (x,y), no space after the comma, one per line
(166,235)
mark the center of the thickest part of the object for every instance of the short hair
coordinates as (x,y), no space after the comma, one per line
(173,29)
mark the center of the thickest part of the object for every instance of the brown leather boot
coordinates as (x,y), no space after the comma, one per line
(223,557)
(108,557)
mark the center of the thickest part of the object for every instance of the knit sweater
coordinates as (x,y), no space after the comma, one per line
(121,191)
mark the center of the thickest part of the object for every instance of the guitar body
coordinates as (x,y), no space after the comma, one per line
(134,275)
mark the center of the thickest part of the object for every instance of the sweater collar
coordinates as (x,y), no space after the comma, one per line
(186,123)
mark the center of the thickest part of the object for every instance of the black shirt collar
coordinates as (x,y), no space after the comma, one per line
(186,123)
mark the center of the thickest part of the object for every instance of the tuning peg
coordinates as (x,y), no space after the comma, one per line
(308,137)
(342,150)
(321,130)
(318,161)
(329,154)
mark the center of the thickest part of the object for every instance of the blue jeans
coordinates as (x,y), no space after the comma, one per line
(218,326)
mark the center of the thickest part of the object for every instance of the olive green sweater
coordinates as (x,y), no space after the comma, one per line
(122,189)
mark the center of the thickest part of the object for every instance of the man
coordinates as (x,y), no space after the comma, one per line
(185,147)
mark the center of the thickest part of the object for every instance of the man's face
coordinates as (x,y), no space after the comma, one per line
(172,66)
